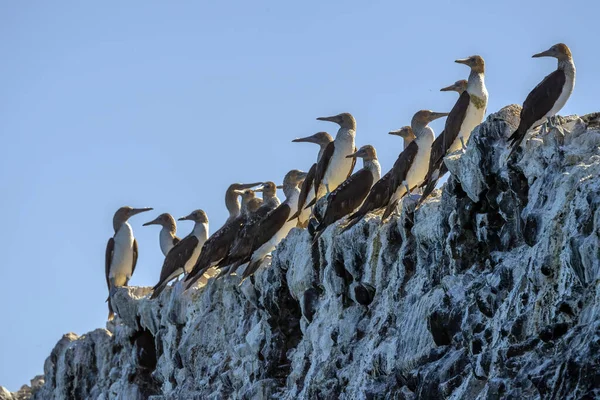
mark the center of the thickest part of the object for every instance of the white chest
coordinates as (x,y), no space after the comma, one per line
(417,172)
(166,240)
(339,165)
(201,232)
(566,92)
(121,266)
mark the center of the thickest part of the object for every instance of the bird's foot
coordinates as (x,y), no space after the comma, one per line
(464,146)
(327,188)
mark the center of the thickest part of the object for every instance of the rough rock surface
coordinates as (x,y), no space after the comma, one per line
(489,290)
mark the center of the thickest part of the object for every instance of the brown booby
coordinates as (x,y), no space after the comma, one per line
(242,247)
(406,134)
(458,87)
(274,227)
(549,97)
(184,255)
(467,113)
(307,191)
(217,246)
(410,169)
(379,195)
(121,252)
(166,238)
(232,198)
(348,196)
(334,167)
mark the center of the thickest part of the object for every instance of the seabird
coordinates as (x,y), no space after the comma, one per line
(334,167)
(184,255)
(231,198)
(276,225)
(307,191)
(379,195)
(549,97)
(467,113)
(458,87)
(348,196)
(410,169)
(121,252)
(217,246)
(242,247)
(166,237)
(406,134)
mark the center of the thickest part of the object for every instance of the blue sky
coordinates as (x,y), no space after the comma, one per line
(145,103)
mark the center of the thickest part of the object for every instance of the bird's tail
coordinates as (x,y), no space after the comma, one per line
(312,203)
(389,209)
(427,191)
(158,289)
(111,313)
(514,142)
(353,220)
(296,214)
(251,268)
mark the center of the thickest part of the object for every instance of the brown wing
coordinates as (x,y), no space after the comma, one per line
(538,103)
(135,256)
(110,247)
(353,164)
(435,159)
(402,166)
(347,197)
(453,124)
(306,188)
(215,248)
(175,241)
(177,257)
(322,165)
(270,225)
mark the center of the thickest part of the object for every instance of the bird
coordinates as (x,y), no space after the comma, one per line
(348,196)
(334,167)
(467,113)
(242,247)
(167,238)
(184,255)
(217,246)
(379,195)
(307,191)
(458,87)
(232,198)
(276,225)
(406,134)
(549,96)
(411,167)
(121,252)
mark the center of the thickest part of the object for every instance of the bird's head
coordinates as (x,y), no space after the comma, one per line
(164,219)
(405,132)
(198,216)
(476,63)
(126,212)
(269,189)
(458,86)
(293,178)
(366,152)
(424,117)
(320,138)
(344,120)
(559,51)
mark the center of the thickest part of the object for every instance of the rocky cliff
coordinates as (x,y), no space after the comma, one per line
(489,290)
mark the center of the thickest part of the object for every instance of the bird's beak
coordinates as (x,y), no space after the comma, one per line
(153,222)
(279,186)
(396,132)
(355,154)
(330,119)
(307,139)
(436,115)
(259,190)
(250,185)
(186,218)
(140,210)
(462,61)
(239,192)
(547,53)
(448,88)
